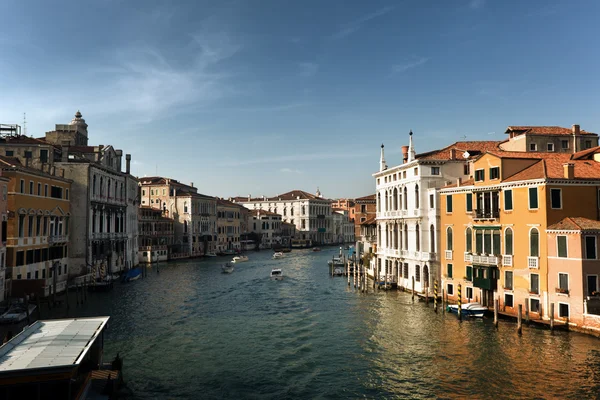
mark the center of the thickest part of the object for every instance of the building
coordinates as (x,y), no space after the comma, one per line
(364,208)
(548,139)
(408,213)
(288,232)
(366,243)
(37,229)
(268,226)
(229,223)
(194,214)
(493,226)
(312,214)
(345,204)
(156,235)
(573,270)
(132,195)
(4,182)
(343,227)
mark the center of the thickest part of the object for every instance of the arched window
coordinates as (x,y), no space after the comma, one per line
(418,237)
(387,203)
(405,237)
(416,196)
(185,226)
(396,235)
(469,239)
(108,187)
(449,238)
(534,242)
(405,195)
(378,203)
(395,199)
(508,242)
(378,234)
(101,186)
(496,243)
(432,239)
(94,185)
(185,207)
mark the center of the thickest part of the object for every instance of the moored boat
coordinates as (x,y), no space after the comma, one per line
(276,274)
(239,259)
(469,309)
(132,275)
(337,261)
(227,268)
(210,255)
(16,313)
(337,271)
(278,255)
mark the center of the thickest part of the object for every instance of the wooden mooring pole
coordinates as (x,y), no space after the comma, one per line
(435,294)
(520,319)
(551,317)
(443,301)
(496,313)
(348,273)
(527,312)
(413,289)
(459,303)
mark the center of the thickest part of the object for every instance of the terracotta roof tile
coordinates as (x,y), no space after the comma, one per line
(369,197)
(576,224)
(372,220)
(544,130)
(467,182)
(291,195)
(474,148)
(588,153)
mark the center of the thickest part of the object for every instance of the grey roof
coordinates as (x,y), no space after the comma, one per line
(51,344)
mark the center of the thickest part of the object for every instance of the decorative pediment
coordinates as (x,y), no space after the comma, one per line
(58,212)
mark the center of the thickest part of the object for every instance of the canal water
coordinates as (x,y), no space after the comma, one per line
(188,331)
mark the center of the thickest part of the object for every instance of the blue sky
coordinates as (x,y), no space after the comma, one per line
(261,97)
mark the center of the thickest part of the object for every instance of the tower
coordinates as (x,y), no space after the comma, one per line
(382,166)
(411,148)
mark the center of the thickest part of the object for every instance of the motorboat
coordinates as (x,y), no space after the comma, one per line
(336,262)
(316,249)
(16,313)
(278,255)
(239,259)
(227,268)
(337,271)
(132,275)
(210,255)
(469,309)
(276,274)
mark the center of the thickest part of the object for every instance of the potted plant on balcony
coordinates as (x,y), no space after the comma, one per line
(562,290)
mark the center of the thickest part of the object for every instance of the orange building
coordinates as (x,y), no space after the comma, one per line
(364,208)
(494,226)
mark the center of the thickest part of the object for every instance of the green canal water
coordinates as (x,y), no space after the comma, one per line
(191,332)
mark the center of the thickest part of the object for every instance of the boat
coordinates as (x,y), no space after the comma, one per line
(336,262)
(278,255)
(132,275)
(469,309)
(316,249)
(210,255)
(228,252)
(276,274)
(239,259)
(337,271)
(16,313)
(286,250)
(227,268)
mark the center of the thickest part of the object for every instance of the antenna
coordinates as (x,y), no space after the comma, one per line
(24,124)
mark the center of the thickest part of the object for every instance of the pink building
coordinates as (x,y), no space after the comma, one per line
(573,271)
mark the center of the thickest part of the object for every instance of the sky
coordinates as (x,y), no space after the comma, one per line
(262,97)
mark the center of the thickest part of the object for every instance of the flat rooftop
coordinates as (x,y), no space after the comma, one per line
(51,344)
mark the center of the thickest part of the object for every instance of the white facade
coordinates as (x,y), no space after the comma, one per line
(408,216)
(131,221)
(268,225)
(343,228)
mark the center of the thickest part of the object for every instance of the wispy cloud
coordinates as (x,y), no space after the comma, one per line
(353,26)
(410,62)
(308,69)
(290,171)
(475,4)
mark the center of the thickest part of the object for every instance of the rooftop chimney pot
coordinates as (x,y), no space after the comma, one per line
(569,170)
(576,130)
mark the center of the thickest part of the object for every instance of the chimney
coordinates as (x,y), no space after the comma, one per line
(249,197)
(128,164)
(576,130)
(404,154)
(65,154)
(453,154)
(192,184)
(569,170)
(458,182)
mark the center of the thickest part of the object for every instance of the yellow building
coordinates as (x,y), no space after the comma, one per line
(493,236)
(38,229)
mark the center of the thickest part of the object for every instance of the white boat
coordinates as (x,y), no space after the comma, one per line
(239,259)
(469,309)
(227,268)
(16,313)
(337,271)
(278,255)
(210,255)
(276,274)
(336,262)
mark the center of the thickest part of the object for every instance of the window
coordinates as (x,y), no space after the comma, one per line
(556,198)
(590,247)
(479,242)
(450,289)
(22,188)
(467,169)
(404,175)
(563,310)
(469,202)
(39,189)
(431,201)
(449,203)
(550,146)
(479,175)
(564,144)
(418,237)
(406,270)
(10,153)
(588,144)
(435,170)
(508,300)
(45,190)
(508,280)
(533,198)
(21,225)
(449,238)
(535,284)
(432,239)
(508,242)
(417,196)
(28,154)
(563,283)
(592,284)
(532,147)
(508,203)
(469,239)
(534,305)
(534,243)
(30,226)
(30,187)
(469,273)
(416,171)
(561,244)
(449,270)
(44,156)
(495,173)
(66,194)
(469,292)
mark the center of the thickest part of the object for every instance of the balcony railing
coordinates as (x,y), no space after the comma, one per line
(58,238)
(507,260)
(448,255)
(428,256)
(487,214)
(485,260)
(533,262)
(468,257)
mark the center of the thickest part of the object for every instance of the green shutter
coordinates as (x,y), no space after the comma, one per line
(469,202)
(479,242)
(449,203)
(508,204)
(449,270)
(533,198)
(562,246)
(469,273)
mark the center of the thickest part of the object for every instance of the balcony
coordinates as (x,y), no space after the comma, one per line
(533,262)
(562,290)
(58,239)
(507,260)
(448,254)
(485,278)
(485,259)
(487,214)
(468,257)
(428,256)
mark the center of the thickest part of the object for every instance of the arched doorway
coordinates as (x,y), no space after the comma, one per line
(426,277)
